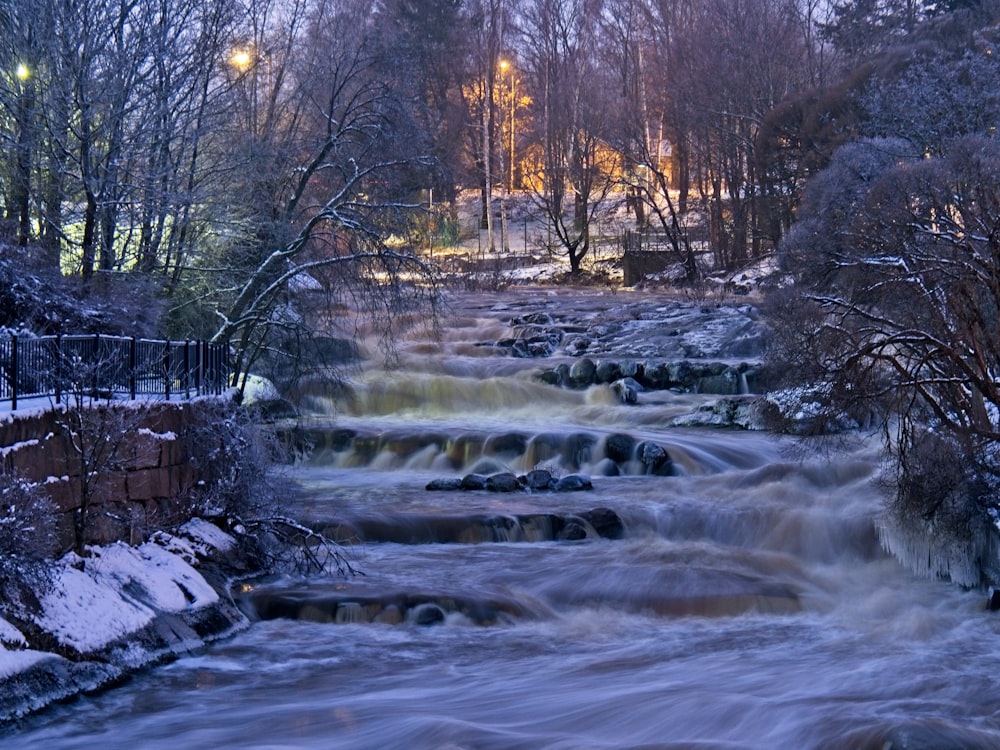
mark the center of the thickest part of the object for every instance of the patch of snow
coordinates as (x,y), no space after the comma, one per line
(10,634)
(259,388)
(200,531)
(169,582)
(8,449)
(117,593)
(169,435)
(15,662)
(87,614)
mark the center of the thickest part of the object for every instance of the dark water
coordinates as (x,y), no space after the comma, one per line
(747,604)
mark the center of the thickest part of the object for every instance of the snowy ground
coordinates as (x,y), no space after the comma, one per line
(94,603)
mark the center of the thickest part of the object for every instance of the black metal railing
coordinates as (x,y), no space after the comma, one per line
(109,366)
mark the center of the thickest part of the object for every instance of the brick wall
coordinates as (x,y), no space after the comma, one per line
(141,476)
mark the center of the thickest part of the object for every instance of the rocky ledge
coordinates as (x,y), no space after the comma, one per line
(87,622)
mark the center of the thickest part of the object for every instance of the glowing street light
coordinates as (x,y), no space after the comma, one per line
(22,72)
(241,59)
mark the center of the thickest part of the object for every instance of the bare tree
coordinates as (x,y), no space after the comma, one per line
(576,168)
(325,194)
(898,256)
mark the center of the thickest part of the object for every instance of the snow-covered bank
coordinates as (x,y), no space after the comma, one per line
(91,621)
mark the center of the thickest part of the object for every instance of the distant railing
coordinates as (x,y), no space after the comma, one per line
(109,366)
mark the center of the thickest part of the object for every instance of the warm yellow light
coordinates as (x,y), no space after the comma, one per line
(22,72)
(241,59)
(504,65)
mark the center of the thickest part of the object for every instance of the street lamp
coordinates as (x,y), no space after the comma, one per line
(22,72)
(241,59)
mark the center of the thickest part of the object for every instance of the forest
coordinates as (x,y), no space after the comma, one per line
(205,153)
(193,160)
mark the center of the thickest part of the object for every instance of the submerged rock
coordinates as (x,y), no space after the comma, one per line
(502,482)
(627,390)
(473,482)
(574,483)
(428,614)
(538,479)
(655,459)
(445,484)
(605,522)
(581,373)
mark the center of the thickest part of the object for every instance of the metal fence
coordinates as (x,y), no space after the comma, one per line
(109,366)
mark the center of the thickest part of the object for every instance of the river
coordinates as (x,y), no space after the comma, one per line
(744,603)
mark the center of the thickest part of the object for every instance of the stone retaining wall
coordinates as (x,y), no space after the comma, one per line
(137,457)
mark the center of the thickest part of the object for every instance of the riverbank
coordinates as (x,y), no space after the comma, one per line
(83,624)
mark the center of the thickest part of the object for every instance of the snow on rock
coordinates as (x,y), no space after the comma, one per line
(208,536)
(87,614)
(9,635)
(168,582)
(16,662)
(119,591)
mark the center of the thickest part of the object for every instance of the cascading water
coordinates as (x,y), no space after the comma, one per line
(740,599)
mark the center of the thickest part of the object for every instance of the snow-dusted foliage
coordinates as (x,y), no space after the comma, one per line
(27,522)
(895,312)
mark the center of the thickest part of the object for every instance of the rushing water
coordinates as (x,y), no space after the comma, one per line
(746,605)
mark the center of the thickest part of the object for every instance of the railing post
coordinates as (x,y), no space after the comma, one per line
(58,368)
(166,369)
(132,367)
(186,380)
(97,366)
(199,370)
(13,372)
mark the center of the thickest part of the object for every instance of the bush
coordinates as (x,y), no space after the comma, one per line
(28,525)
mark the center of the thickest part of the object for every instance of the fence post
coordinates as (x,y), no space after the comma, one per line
(58,368)
(166,369)
(97,365)
(132,367)
(13,372)
(186,379)
(199,369)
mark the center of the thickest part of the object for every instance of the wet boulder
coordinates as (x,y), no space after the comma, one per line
(607,372)
(577,346)
(605,522)
(428,614)
(627,390)
(725,383)
(655,459)
(473,482)
(532,319)
(445,484)
(549,377)
(573,530)
(538,480)
(574,483)
(657,376)
(502,482)
(619,447)
(581,374)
